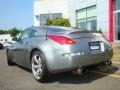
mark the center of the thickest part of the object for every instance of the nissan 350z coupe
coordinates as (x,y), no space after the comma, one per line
(52,49)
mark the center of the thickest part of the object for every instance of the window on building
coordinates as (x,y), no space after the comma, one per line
(117,5)
(44,17)
(86,18)
(117,19)
(56,15)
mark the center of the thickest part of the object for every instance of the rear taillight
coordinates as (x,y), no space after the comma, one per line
(62,39)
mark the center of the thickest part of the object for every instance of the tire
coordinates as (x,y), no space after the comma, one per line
(105,65)
(38,66)
(10,60)
(108,64)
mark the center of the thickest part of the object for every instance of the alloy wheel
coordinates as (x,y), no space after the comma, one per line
(37,66)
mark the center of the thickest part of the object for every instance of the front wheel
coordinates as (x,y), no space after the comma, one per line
(39,68)
(10,60)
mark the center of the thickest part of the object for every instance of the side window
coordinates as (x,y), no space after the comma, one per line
(25,34)
(33,33)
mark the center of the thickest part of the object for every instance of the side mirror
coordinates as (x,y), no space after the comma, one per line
(14,39)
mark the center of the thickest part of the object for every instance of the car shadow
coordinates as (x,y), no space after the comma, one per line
(86,77)
(70,78)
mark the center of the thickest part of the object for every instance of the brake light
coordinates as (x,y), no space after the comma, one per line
(62,39)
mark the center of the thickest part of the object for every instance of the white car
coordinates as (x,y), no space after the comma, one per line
(7,44)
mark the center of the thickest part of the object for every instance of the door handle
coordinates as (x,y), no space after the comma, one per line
(26,42)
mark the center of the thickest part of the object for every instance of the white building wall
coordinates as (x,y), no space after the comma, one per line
(49,6)
(36,12)
(103,16)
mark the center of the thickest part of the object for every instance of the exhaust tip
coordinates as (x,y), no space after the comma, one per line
(108,63)
(78,71)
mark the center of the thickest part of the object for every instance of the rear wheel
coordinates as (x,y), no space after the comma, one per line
(108,64)
(105,65)
(39,68)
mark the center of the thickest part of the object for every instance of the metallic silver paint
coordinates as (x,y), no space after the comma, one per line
(54,52)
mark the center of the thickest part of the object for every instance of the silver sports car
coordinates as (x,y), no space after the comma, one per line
(52,49)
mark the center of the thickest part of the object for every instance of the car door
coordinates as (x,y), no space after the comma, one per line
(19,48)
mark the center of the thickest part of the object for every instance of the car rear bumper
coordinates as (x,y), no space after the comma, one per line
(58,61)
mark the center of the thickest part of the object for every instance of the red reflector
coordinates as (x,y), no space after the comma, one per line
(62,39)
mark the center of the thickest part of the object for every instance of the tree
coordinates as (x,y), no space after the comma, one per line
(3,32)
(58,22)
(14,32)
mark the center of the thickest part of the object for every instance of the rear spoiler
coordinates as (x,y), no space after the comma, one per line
(86,31)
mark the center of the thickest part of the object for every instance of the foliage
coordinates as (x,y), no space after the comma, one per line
(58,22)
(100,30)
(13,32)
(3,32)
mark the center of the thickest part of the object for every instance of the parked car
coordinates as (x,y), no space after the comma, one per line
(7,44)
(47,50)
(1,46)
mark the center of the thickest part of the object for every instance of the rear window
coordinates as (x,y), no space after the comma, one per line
(50,29)
(61,29)
(56,29)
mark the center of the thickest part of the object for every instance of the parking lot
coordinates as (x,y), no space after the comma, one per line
(18,78)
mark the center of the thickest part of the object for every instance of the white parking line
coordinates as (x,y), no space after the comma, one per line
(116,62)
(111,75)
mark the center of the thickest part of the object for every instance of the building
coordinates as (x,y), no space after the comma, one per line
(44,9)
(86,14)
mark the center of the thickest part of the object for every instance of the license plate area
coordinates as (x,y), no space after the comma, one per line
(94,46)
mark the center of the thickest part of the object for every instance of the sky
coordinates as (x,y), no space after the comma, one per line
(16,13)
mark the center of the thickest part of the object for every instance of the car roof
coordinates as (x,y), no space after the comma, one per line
(52,28)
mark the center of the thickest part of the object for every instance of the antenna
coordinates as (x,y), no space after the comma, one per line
(47,32)
(47,25)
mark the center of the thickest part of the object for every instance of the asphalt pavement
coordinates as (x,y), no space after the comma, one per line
(18,78)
